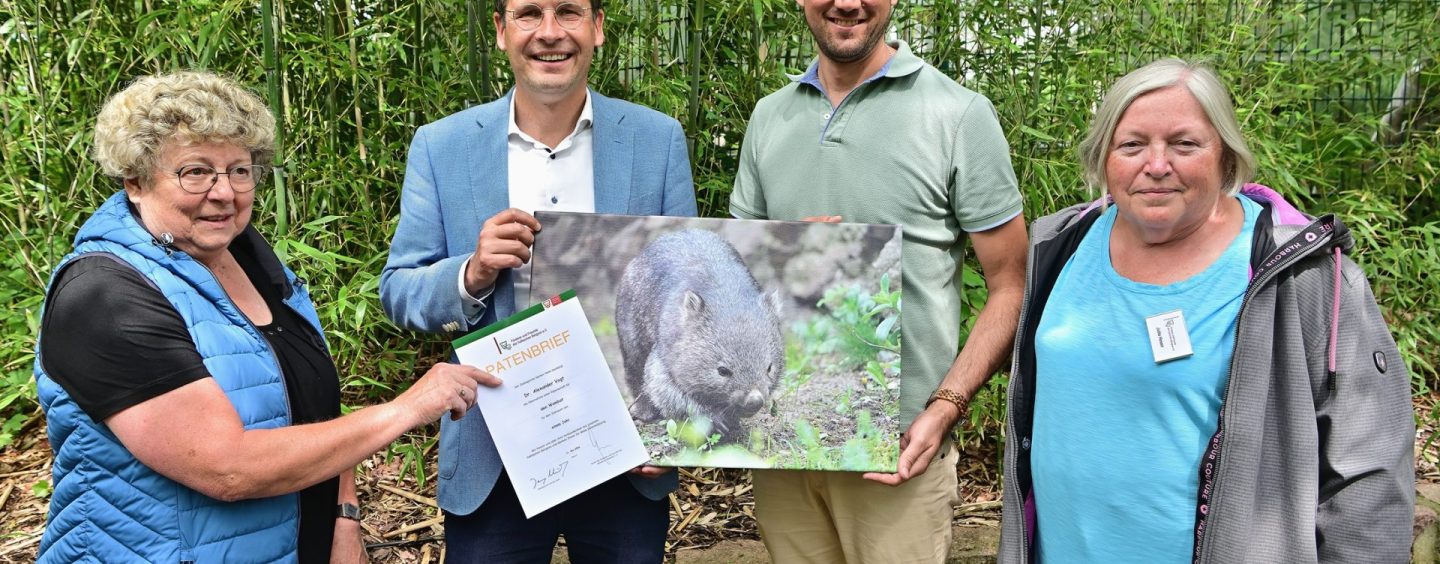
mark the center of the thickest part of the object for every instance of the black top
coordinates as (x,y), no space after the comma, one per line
(113,341)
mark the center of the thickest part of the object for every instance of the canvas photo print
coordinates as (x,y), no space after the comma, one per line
(738,343)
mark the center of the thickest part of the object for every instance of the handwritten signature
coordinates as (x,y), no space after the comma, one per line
(604,450)
(551,477)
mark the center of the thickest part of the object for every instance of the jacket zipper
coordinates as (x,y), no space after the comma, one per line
(1010,474)
(255,331)
(1255,285)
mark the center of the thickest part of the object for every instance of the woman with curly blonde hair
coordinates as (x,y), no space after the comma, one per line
(192,404)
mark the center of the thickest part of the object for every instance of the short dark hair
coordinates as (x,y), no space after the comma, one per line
(594,7)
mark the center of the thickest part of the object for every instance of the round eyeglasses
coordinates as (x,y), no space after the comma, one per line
(528,17)
(199,179)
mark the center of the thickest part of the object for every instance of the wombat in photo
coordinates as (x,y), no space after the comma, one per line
(697,334)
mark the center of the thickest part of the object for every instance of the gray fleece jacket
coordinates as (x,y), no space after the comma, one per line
(1313,460)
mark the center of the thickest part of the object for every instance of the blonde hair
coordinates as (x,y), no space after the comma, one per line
(1201,82)
(185,107)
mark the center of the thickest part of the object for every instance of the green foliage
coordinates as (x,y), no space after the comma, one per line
(812,452)
(41,489)
(855,339)
(868,448)
(1406,253)
(693,432)
(858,334)
(605,327)
(691,443)
(866,322)
(859,331)
(1314,82)
(809,447)
(411,452)
(9,427)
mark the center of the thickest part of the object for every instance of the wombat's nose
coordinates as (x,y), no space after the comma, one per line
(752,401)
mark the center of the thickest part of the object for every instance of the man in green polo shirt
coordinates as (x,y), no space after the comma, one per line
(872,134)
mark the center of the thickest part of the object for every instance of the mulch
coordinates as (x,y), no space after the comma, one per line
(23,464)
(402,521)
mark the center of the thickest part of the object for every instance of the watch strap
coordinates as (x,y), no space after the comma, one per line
(347,511)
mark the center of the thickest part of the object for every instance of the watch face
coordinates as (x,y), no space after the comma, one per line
(348,511)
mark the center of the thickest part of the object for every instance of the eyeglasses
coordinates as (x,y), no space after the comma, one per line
(528,17)
(199,179)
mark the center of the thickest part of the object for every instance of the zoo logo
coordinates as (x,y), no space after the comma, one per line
(501,346)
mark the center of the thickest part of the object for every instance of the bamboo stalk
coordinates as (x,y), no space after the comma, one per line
(20,543)
(21,212)
(272,87)
(355,81)
(697,16)
(690,518)
(281,18)
(5,495)
(329,15)
(417,46)
(32,64)
(414,527)
(478,75)
(978,506)
(408,495)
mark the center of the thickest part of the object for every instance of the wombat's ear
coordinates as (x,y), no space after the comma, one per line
(772,300)
(694,306)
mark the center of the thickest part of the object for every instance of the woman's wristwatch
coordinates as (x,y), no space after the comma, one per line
(347,511)
(961,402)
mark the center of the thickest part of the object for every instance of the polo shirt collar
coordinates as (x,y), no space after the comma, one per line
(902,63)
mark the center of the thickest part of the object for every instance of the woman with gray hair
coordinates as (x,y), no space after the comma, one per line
(1200,373)
(192,404)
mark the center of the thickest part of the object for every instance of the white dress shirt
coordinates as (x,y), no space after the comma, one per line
(543,178)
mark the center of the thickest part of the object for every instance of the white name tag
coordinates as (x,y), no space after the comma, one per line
(1169,339)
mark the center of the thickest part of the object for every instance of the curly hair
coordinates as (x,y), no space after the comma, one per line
(184,107)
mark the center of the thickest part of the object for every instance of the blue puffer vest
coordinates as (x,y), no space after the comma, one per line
(105,505)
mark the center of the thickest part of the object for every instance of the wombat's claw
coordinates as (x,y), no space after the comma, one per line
(644,411)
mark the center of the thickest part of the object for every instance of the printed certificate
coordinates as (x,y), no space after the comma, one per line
(558,421)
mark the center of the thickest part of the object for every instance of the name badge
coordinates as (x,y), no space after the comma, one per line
(1169,339)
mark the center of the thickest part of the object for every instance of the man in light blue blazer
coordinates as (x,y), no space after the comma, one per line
(471,182)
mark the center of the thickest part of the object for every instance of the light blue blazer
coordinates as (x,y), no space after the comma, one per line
(456,178)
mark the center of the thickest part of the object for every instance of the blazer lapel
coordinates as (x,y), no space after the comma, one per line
(489,160)
(489,163)
(614,144)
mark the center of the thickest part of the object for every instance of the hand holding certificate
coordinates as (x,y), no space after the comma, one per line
(558,421)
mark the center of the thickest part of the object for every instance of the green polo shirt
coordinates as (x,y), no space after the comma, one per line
(908,147)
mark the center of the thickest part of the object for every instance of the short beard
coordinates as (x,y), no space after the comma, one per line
(833,52)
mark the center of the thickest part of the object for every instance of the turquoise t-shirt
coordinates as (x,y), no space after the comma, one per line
(1118,438)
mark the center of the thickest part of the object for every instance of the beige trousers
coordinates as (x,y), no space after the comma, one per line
(839,517)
